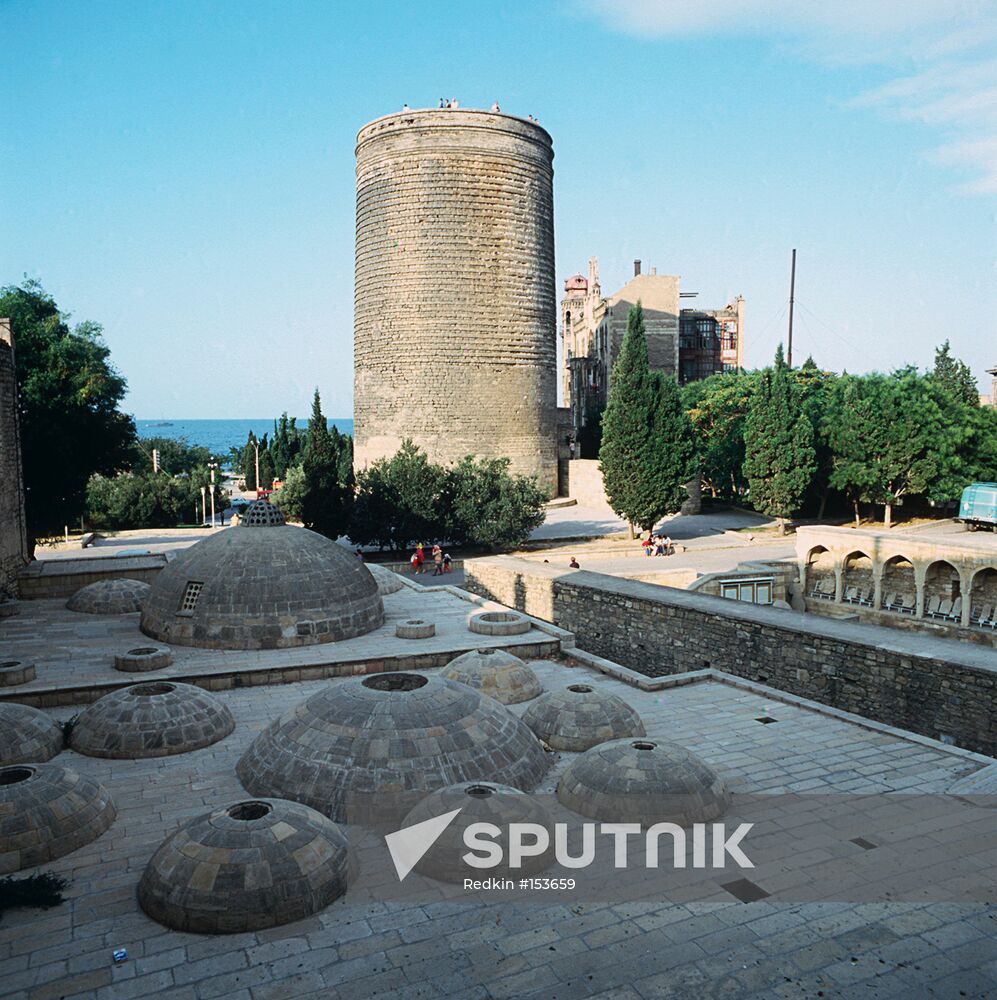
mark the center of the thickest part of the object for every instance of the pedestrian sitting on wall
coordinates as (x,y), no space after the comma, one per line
(659,545)
(668,546)
(646,545)
(574,563)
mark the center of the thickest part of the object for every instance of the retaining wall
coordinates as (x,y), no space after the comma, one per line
(935,687)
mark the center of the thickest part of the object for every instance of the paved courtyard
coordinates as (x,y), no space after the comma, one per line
(548,948)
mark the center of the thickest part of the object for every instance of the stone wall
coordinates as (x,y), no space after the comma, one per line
(13,530)
(936,687)
(455,312)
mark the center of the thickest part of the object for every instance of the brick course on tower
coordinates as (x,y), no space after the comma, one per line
(455,313)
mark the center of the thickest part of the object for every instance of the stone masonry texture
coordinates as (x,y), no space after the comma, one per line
(13,529)
(455,313)
(936,687)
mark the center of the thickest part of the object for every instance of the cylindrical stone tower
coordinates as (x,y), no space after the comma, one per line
(455,311)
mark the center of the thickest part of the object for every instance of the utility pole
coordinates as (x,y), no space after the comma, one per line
(792,296)
(212,465)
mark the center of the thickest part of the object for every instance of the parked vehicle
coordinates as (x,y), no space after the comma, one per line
(978,506)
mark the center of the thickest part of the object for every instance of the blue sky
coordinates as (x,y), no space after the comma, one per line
(183,172)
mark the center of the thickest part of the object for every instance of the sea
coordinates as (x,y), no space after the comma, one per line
(218,436)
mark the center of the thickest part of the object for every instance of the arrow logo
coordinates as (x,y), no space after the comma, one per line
(407,846)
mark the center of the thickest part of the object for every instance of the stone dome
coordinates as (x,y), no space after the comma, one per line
(479,802)
(262,587)
(496,673)
(387,581)
(47,811)
(643,781)
(154,719)
(580,716)
(261,514)
(366,750)
(109,597)
(246,867)
(27,735)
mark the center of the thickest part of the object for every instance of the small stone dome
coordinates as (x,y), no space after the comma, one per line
(155,719)
(246,867)
(27,735)
(643,781)
(366,750)
(261,514)
(479,802)
(580,716)
(387,582)
(109,597)
(47,811)
(270,586)
(496,673)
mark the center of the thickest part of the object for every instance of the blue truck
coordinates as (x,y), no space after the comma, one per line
(978,506)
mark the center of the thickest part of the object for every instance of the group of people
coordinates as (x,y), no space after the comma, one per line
(452,102)
(658,545)
(441,560)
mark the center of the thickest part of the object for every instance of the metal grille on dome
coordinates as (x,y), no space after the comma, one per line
(261,514)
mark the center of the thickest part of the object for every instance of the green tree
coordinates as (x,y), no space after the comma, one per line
(717,408)
(176,455)
(628,428)
(780,460)
(899,435)
(70,394)
(674,457)
(400,501)
(487,506)
(290,498)
(327,499)
(954,376)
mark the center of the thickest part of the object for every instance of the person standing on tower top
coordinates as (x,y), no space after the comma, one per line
(496,108)
(454,103)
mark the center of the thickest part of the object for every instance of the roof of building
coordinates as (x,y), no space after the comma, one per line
(657,292)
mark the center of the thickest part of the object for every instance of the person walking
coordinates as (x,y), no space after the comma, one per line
(446,562)
(415,563)
(438,561)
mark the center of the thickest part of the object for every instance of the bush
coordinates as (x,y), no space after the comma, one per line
(407,499)
(399,501)
(489,507)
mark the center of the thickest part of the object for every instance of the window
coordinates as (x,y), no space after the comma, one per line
(752,591)
(189,600)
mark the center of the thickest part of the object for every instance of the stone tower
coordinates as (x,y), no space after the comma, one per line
(455,312)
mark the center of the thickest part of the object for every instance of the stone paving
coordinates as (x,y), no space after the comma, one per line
(547,950)
(71,650)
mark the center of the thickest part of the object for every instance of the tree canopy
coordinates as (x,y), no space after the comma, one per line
(70,394)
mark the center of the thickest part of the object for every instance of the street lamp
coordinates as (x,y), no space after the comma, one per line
(212,465)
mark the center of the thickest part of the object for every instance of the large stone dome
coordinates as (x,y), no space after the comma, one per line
(644,781)
(246,867)
(365,751)
(27,735)
(262,585)
(47,811)
(156,719)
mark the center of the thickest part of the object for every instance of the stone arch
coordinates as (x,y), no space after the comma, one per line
(819,566)
(858,580)
(899,584)
(942,582)
(983,594)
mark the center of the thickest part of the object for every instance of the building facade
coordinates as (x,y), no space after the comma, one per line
(13,526)
(686,343)
(455,310)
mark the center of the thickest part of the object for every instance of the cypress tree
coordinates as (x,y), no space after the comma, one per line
(780,460)
(628,427)
(327,501)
